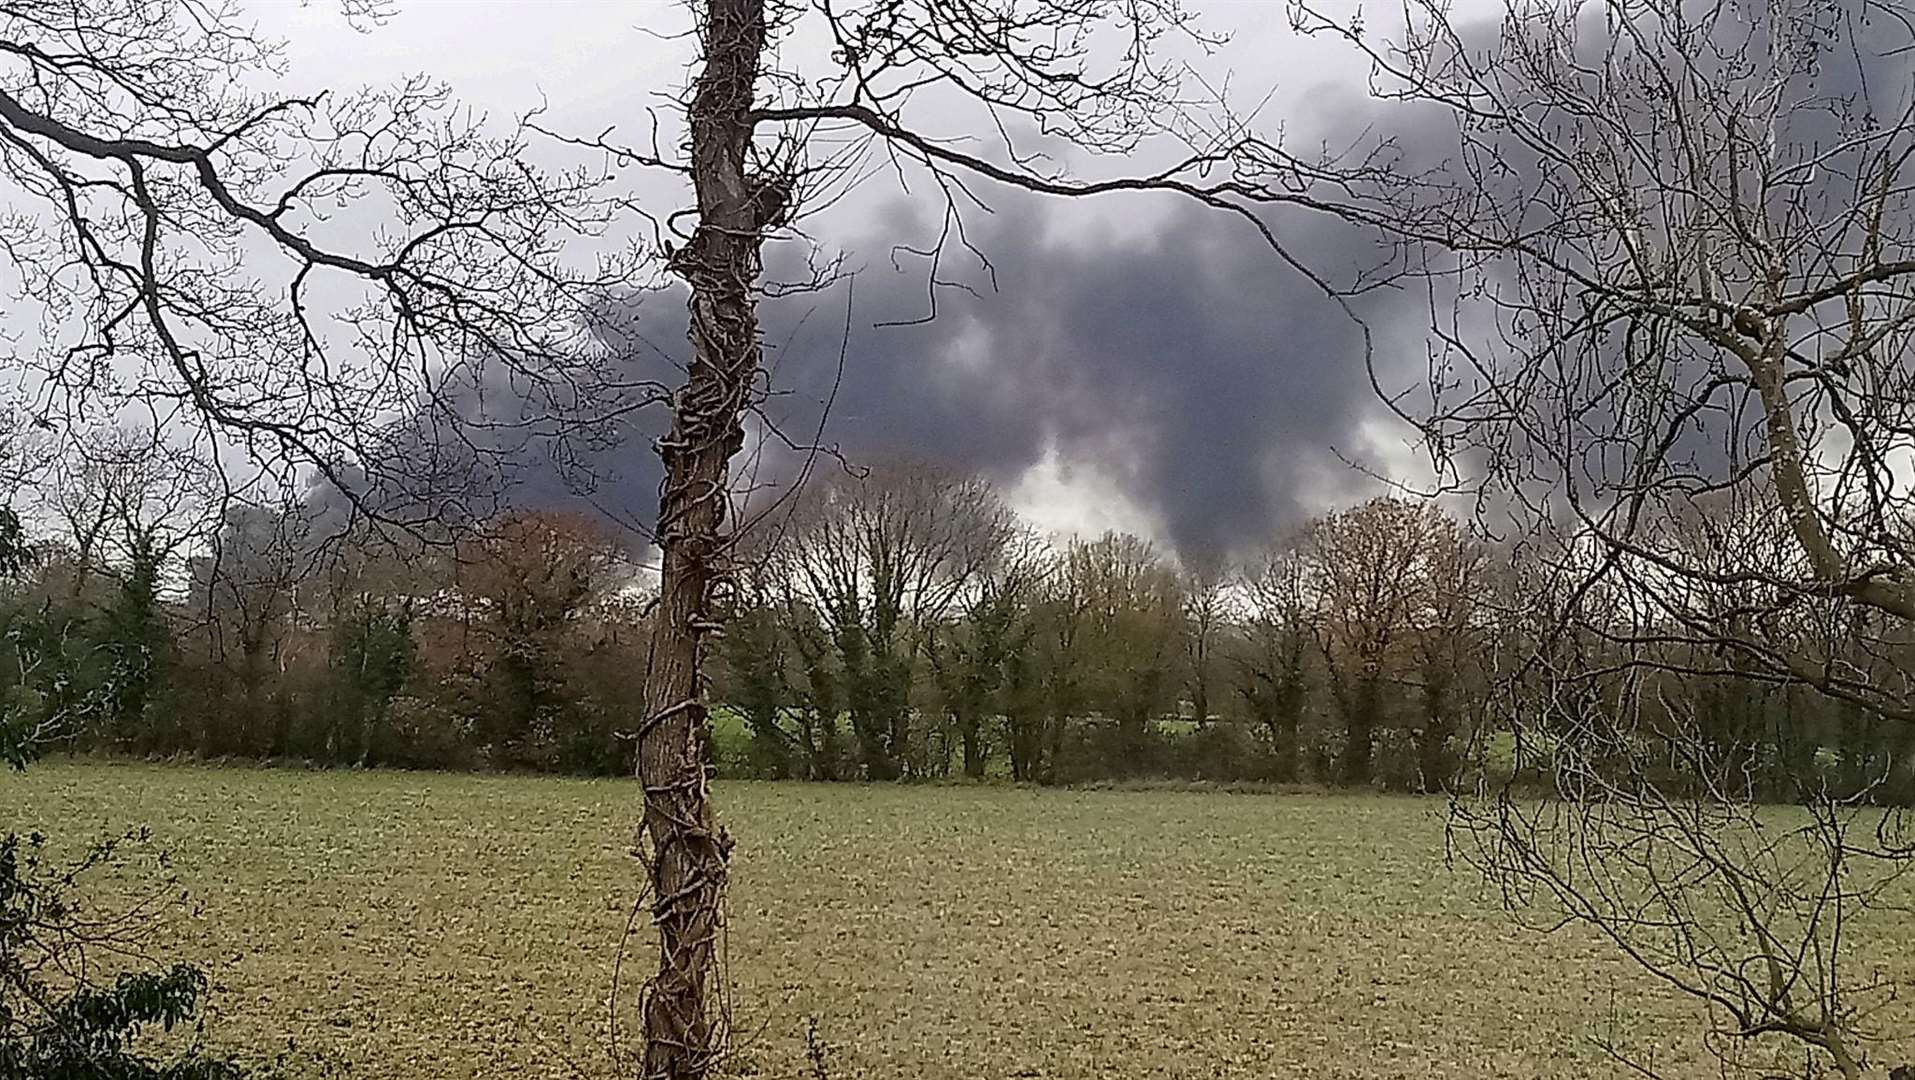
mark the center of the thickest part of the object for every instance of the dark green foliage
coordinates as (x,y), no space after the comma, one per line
(56,1023)
(54,1027)
(971,663)
(1223,752)
(21,726)
(86,656)
(133,639)
(1271,680)
(878,669)
(754,654)
(1024,715)
(374,655)
(817,699)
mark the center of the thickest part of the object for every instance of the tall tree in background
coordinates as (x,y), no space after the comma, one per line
(244,599)
(1446,640)
(1367,565)
(883,558)
(1060,673)
(972,654)
(1133,617)
(1207,613)
(1272,658)
(376,654)
(24,730)
(533,575)
(758,662)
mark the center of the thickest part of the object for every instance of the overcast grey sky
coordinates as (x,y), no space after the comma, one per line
(1141,364)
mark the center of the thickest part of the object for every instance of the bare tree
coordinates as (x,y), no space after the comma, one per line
(1132,615)
(244,601)
(1271,660)
(1366,569)
(1669,253)
(1652,840)
(104,487)
(1207,615)
(1690,230)
(882,559)
(1037,76)
(146,178)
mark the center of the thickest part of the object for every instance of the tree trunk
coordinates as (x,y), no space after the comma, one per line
(1287,745)
(1898,786)
(969,730)
(768,745)
(874,740)
(1856,741)
(1027,740)
(1432,742)
(688,850)
(1361,730)
(1051,765)
(1281,722)
(1133,742)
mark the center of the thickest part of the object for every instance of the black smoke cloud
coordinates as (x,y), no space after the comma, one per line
(1179,356)
(1185,360)
(1191,365)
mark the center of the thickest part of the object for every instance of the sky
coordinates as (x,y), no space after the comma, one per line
(1130,362)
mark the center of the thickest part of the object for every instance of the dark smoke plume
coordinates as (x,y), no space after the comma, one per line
(1193,366)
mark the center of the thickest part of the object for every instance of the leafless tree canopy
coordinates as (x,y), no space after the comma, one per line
(303,281)
(1669,263)
(1670,266)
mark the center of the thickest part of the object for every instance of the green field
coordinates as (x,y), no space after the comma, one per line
(417,925)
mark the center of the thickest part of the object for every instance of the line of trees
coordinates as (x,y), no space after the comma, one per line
(266,633)
(902,623)
(894,623)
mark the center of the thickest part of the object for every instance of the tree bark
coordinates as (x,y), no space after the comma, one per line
(1027,733)
(1051,764)
(1432,742)
(970,730)
(1789,472)
(1284,739)
(1360,720)
(683,1032)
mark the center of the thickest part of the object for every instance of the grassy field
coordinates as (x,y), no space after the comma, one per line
(429,926)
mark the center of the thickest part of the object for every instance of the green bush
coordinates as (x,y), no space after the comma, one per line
(56,1025)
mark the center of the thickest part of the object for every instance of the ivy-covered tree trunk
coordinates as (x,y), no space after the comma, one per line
(971,733)
(683,1033)
(1434,761)
(135,636)
(1360,708)
(1023,716)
